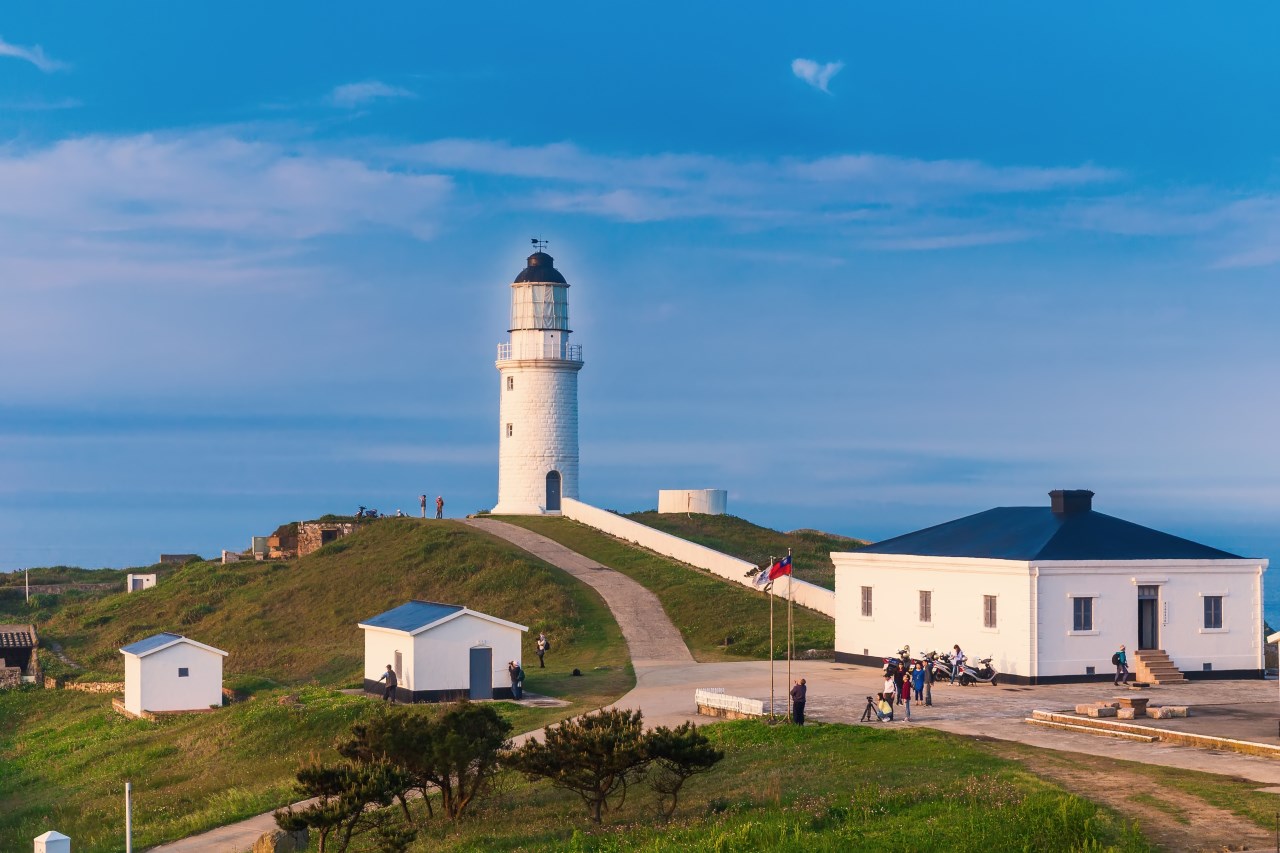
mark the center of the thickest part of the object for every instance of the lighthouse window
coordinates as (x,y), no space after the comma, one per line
(508,430)
(511,383)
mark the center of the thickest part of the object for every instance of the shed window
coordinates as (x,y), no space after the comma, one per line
(183,672)
(1213,611)
(866,601)
(511,383)
(926,605)
(1082,614)
(508,430)
(988,611)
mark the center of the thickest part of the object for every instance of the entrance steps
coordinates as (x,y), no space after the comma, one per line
(1153,666)
(1148,734)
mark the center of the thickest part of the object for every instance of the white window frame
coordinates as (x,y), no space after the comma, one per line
(1093,608)
(867,602)
(1222,615)
(995,600)
(919,602)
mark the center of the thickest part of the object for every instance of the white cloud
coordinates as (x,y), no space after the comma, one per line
(817,75)
(34,54)
(358,94)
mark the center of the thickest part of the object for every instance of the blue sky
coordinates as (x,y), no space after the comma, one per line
(255,261)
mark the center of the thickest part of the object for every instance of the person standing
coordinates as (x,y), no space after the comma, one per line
(798,693)
(906,695)
(439,506)
(422,502)
(1121,660)
(389,692)
(890,688)
(517,680)
(917,681)
(542,645)
(957,663)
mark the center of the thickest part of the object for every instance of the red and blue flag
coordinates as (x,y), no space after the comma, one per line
(780,568)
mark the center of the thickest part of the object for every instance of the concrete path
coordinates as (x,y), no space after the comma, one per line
(651,638)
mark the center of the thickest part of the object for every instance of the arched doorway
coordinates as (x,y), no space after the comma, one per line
(553,491)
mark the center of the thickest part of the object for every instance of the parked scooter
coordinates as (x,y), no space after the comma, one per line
(938,665)
(901,662)
(984,673)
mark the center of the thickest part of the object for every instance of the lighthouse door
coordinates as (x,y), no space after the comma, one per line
(553,491)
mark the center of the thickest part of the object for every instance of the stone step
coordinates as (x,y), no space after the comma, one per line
(1090,730)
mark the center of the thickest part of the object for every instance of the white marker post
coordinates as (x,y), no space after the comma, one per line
(128,817)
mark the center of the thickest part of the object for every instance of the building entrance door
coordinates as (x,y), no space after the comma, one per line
(481,673)
(1148,617)
(553,491)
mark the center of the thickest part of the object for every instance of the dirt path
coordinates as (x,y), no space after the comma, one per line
(1172,819)
(651,637)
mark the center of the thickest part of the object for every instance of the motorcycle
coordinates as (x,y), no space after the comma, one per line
(901,662)
(984,673)
(938,665)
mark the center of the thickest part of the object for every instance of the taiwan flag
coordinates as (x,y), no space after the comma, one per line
(780,568)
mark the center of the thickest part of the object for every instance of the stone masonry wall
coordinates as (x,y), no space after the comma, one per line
(542,408)
(310,534)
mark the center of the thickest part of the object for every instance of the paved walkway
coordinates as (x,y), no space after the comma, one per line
(651,638)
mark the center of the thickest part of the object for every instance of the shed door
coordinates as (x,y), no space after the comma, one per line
(137,584)
(553,491)
(481,673)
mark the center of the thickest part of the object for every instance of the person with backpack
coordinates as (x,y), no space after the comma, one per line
(517,680)
(543,646)
(1120,660)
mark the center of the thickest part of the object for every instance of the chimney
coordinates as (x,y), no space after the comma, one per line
(1069,501)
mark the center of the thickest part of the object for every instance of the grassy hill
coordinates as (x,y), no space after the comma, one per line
(810,549)
(707,610)
(291,632)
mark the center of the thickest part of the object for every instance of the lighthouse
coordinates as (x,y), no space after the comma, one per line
(538,393)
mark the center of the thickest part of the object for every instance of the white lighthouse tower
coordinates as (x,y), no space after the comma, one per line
(538,414)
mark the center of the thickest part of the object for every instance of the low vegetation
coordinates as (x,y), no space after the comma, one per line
(810,549)
(719,620)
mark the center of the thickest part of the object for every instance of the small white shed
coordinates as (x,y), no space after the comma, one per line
(440,652)
(52,842)
(705,501)
(169,672)
(138,582)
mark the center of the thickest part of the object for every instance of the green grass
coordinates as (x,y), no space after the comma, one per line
(707,610)
(810,549)
(820,788)
(291,629)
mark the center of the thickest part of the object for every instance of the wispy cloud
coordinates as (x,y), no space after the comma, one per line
(353,95)
(816,74)
(34,54)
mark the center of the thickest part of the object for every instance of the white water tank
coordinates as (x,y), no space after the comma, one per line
(705,501)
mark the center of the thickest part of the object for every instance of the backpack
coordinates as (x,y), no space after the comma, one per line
(1115,659)
(546,645)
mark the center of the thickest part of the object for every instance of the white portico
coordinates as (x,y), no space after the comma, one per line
(538,388)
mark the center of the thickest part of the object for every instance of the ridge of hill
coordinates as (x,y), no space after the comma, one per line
(729,534)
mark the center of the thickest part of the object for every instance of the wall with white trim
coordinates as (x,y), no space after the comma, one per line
(730,568)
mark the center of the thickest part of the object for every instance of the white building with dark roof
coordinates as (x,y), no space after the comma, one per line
(440,652)
(1050,593)
(168,672)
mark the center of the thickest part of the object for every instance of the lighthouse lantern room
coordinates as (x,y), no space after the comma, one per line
(538,388)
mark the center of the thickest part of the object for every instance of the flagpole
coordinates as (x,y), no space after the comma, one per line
(790,633)
(769,590)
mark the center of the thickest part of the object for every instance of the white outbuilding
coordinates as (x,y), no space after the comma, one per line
(169,672)
(135,583)
(1050,593)
(440,652)
(704,501)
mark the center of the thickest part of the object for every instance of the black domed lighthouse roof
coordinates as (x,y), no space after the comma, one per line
(541,270)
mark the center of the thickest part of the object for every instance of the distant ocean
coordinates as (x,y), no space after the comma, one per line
(1271,597)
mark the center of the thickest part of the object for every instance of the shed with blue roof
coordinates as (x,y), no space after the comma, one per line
(168,673)
(440,652)
(1050,593)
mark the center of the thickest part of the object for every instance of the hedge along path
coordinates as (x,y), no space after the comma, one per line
(651,637)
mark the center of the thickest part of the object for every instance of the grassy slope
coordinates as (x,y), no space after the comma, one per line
(820,788)
(705,608)
(284,624)
(810,549)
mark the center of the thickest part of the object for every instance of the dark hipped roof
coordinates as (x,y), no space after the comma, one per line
(541,270)
(1039,533)
(412,616)
(17,637)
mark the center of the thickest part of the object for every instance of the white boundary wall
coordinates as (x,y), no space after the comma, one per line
(715,697)
(803,593)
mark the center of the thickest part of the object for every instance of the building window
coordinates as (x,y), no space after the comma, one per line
(988,611)
(508,430)
(866,601)
(1213,611)
(926,605)
(1082,614)
(182,672)
(511,383)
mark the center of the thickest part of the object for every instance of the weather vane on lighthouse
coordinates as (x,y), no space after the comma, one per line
(538,243)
